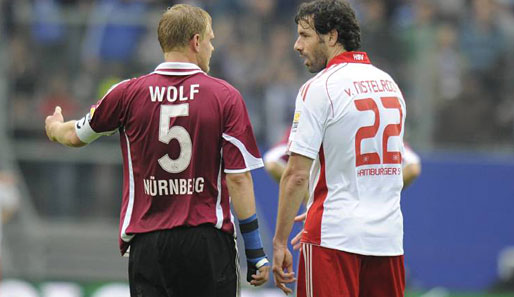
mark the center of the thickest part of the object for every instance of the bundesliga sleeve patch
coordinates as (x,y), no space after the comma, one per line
(92,112)
(296,119)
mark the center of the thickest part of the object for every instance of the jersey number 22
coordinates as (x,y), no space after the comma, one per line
(389,157)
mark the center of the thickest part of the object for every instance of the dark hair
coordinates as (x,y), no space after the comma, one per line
(332,14)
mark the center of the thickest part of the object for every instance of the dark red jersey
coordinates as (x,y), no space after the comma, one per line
(181,131)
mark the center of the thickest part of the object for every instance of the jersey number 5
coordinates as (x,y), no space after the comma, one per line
(166,134)
(389,157)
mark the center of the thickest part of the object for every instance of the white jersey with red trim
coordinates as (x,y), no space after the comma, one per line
(349,118)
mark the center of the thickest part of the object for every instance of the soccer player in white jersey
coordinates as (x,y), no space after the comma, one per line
(346,148)
(275,162)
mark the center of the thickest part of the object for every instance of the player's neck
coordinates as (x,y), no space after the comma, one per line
(179,56)
(334,52)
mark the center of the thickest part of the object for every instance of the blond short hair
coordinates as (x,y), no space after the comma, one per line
(179,24)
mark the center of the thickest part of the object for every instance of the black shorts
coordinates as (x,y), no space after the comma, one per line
(186,261)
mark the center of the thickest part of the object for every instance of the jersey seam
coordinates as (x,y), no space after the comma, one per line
(326,86)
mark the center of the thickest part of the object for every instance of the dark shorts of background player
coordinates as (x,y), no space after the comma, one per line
(185,261)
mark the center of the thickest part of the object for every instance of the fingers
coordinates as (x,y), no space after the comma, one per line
(289,267)
(261,277)
(284,289)
(279,283)
(283,277)
(56,116)
(300,218)
(48,121)
(295,242)
(282,258)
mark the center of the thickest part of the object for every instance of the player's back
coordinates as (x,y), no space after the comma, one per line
(357,184)
(175,126)
(181,131)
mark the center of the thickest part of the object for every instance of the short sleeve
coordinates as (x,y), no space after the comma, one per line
(105,117)
(239,148)
(309,122)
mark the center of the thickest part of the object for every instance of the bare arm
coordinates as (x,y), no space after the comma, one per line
(275,169)
(240,188)
(62,132)
(293,188)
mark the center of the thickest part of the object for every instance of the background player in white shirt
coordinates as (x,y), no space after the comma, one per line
(411,165)
(346,148)
(9,201)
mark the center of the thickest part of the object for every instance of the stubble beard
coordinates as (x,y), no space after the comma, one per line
(318,64)
(319,59)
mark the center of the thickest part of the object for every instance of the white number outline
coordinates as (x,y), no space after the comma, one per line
(166,134)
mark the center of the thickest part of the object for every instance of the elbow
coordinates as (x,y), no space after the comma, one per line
(274,169)
(238,178)
(270,166)
(298,178)
(415,170)
(410,173)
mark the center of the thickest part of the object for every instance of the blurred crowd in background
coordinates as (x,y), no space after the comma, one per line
(453,59)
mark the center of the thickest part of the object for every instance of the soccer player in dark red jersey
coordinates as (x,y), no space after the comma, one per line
(187,144)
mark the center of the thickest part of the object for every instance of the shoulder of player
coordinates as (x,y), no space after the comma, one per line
(118,88)
(335,71)
(317,86)
(220,85)
(383,73)
(345,74)
(306,87)
(130,82)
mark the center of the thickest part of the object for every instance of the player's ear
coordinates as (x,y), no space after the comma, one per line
(195,43)
(332,37)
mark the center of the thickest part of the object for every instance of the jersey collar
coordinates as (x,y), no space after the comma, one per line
(177,68)
(350,57)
